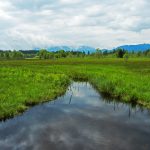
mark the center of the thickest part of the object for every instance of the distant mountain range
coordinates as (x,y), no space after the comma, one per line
(135,48)
(86,49)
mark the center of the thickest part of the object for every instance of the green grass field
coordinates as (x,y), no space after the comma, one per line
(27,82)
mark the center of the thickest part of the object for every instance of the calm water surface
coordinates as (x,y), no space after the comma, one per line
(80,120)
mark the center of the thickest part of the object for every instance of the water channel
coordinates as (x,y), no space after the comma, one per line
(82,119)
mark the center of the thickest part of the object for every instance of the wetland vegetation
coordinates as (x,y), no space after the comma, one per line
(28,82)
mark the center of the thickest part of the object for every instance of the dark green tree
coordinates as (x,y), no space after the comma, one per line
(120,53)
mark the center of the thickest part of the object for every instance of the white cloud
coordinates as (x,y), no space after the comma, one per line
(105,24)
(70,1)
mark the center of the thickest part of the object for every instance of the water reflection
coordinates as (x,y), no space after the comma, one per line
(81,119)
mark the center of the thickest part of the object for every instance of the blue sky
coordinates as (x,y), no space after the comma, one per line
(26,24)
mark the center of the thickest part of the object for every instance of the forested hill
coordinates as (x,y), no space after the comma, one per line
(135,48)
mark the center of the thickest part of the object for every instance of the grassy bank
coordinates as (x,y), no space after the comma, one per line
(22,87)
(27,82)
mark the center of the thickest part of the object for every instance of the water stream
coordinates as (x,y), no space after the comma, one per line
(80,120)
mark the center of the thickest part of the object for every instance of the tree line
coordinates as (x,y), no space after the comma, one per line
(11,55)
(44,54)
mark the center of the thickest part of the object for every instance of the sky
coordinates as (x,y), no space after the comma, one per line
(28,24)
